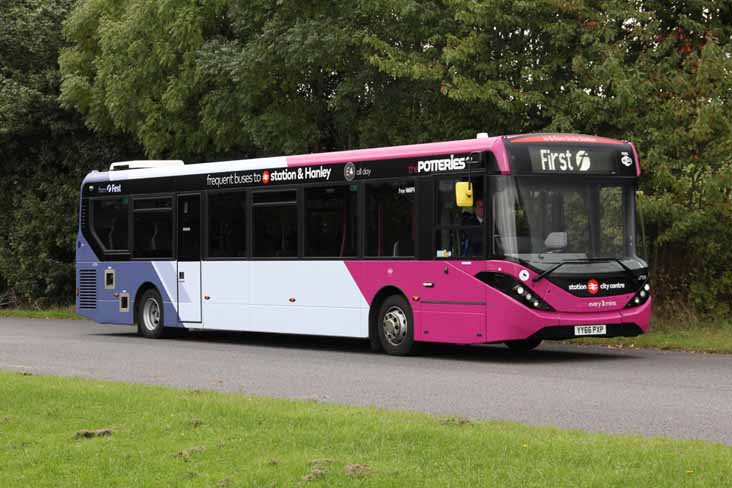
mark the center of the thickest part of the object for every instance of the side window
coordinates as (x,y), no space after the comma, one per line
(331,221)
(110,223)
(153,221)
(275,224)
(226,225)
(458,231)
(390,219)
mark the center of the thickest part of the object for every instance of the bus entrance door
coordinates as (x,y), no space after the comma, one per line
(189,258)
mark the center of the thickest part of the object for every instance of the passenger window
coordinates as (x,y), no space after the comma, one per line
(390,219)
(226,225)
(110,223)
(153,224)
(275,224)
(331,222)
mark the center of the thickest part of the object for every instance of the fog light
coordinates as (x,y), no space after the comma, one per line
(520,290)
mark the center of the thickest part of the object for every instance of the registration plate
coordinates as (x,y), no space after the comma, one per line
(588,330)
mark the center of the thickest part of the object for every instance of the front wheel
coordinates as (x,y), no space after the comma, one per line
(150,315)
(396,326)
(523,345)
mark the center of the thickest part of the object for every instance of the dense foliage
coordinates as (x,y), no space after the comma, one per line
(45,151)
(217,79)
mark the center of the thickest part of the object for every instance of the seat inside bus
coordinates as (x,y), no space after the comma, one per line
(403,248)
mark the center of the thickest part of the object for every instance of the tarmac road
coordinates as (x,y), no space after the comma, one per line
(596,389)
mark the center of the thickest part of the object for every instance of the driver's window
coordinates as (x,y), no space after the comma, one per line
(458,230)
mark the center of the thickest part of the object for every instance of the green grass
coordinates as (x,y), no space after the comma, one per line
(680,335)
(49,313)
(166,437)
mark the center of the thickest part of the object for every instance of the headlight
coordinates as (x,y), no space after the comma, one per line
(515,289)
(640,297)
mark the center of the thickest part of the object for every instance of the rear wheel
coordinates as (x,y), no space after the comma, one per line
(523,345)
(150,315)
(396,326)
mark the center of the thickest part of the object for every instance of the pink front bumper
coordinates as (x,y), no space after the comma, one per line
(523,322)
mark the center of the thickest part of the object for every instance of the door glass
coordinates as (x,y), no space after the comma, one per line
(189,228)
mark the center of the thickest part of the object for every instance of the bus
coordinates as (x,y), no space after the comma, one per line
(510,239)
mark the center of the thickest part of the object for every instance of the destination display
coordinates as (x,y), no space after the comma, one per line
(566,156)
(576,160)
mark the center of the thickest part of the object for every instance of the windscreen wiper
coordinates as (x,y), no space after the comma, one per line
(627,270)
(521,261)
(549,271)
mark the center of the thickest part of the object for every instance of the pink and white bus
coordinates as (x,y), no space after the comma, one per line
(512,239)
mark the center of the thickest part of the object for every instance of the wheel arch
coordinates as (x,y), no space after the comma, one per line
(381,295)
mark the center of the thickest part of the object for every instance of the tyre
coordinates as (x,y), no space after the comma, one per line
(150,315)
(523,345)
(396,326)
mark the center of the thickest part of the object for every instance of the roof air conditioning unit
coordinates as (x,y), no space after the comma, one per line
(122,165)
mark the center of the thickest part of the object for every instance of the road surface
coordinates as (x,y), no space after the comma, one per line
(646,392)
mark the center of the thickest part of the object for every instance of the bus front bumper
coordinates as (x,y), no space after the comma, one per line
(528,324)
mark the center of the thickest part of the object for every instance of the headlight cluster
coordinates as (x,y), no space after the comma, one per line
(526,295)
(640,297)
(515,289)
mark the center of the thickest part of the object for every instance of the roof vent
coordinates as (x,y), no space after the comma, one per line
(122,165)
(482,135)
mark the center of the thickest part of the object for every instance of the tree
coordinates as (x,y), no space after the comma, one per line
(657,73)
(208,80)
(45,152)
(226,78)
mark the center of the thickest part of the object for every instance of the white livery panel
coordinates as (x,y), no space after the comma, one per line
(295,297)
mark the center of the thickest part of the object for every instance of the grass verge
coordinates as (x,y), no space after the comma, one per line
(50,313)
(73,432)
(678,335)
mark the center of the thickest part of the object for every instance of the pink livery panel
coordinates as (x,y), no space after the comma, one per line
(450,304)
